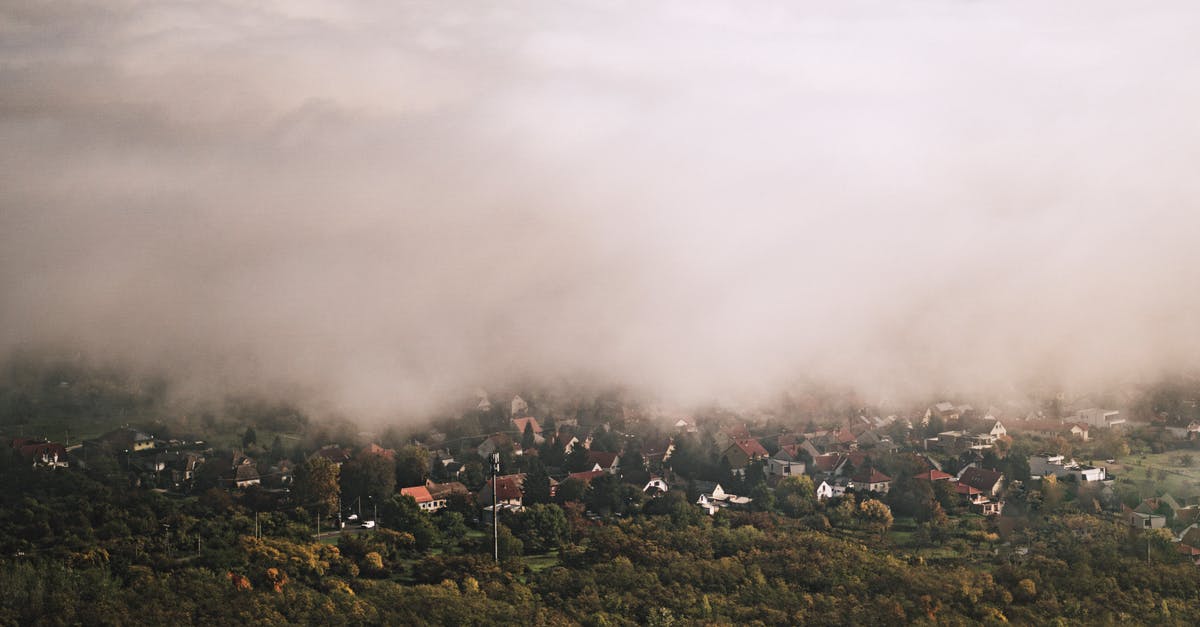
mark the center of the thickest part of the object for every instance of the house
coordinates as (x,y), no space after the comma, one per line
(1044,464)
(726,437)
(989,482)
(495,444)
(686,424)
(656,486)
(1102,418)
(605,460)
(783,464)
(41,453)
(507,490)
(375,449)
(713,497)
(741,453)
(424,499)
(844,439)
(443,491)
(532,423)
(245,474)
(587,475)
(1139,520)
(1079,431)
(978,500)
(933,475)
(128,440)
(1087,473)
(870,480)
(831,463)
(334,453)
(944,410)
(655,451)
(832,486)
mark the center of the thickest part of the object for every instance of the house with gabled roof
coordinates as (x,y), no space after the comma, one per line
(334,453)
(496,443)
(870,480)
(607,461)
(424,499)
(713,497)
(990,482)
(934,475)
(507,490)
(831,486)
(42,453)
(656,485)
(655,451)
(784,464)
(741,453)
(529,421)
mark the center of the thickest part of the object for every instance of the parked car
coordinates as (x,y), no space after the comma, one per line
(368,524)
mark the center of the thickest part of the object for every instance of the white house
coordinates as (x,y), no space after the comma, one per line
(831,487)
(656,483)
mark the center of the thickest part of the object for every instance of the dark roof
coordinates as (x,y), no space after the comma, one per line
(606,459)
(246,472)
(981,478)
(444,490)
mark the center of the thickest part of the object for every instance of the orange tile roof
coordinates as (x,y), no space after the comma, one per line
(419,493)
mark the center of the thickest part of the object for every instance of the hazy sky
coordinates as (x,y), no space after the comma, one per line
(386,201)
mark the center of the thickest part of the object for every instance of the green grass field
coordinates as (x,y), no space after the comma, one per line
(1163,471)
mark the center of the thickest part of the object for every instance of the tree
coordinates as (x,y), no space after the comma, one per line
(571,490)
(577,459)
(796,495)
(528,439)
(536,487)
(875,515)
(316,485)
(249,438)
(602,496)
(368,475)
(412,466)
(403,514)
(541,527)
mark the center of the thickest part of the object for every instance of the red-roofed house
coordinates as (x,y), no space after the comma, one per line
(375,449)
(586,476)
(41,453)
(423,498)
(741,453)
(934,475)
(829,463)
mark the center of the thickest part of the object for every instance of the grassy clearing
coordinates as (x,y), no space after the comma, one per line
(537,563)
(1163,471)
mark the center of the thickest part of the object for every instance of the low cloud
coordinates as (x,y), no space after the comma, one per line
(383,204)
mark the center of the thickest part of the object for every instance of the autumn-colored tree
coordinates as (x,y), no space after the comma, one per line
(315,485)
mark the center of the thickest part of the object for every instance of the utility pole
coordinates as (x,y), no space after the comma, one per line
(495,509)
(197,545)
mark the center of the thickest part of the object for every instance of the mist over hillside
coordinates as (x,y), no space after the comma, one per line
(379,206)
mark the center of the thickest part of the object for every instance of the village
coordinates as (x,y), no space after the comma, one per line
(949,461)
